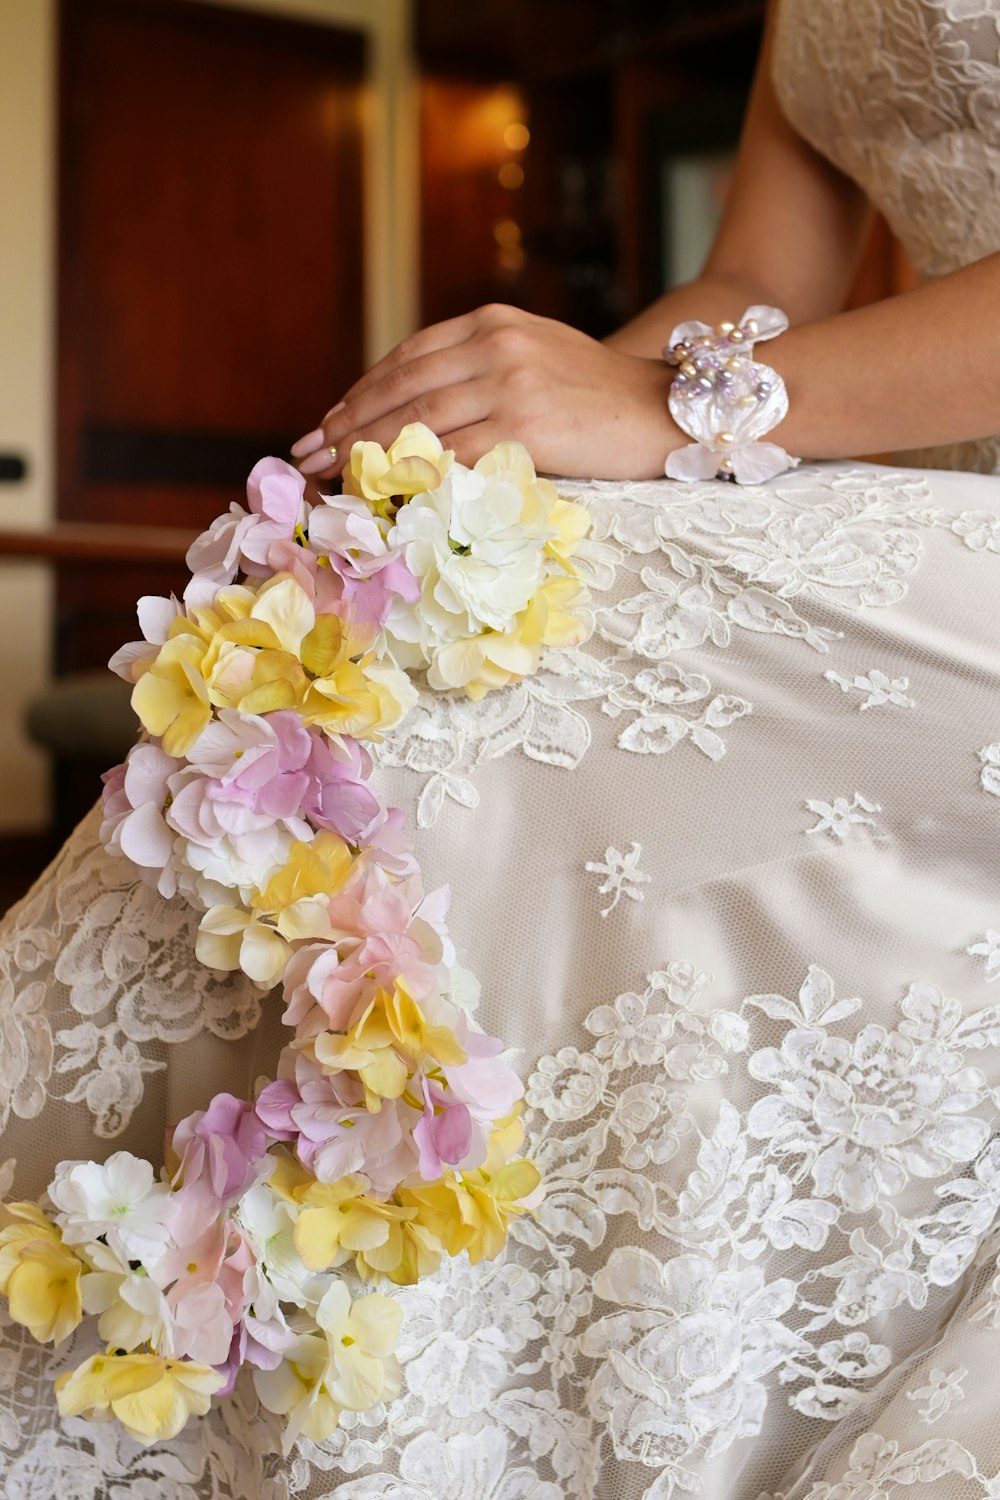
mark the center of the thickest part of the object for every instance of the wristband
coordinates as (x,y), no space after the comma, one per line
(726,400)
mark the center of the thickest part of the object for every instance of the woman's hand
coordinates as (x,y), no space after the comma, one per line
(580,408)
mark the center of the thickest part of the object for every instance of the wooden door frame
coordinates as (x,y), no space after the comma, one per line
(391,155)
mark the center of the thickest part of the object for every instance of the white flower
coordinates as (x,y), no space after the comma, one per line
(269,1224)
(685,1356)
(132,1307)
(568,1085)
(627,1033)
(477,562)
(120,1199)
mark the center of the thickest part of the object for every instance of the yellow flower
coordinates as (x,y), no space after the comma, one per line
(389,1040)
(229,937)
(347,1365)
(263,648)
(415,462)
(293,906)
(313,869)
(554,615)
(472,1210)
(151,1396)
(570,522)
(171,697)
(338,1221)
(39,1275)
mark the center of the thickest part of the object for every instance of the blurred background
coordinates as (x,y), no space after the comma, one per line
(218,212)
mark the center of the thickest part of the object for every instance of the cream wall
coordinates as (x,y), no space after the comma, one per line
(27,156)
(27,310)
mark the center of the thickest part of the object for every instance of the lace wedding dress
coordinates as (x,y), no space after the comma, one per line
(729,874)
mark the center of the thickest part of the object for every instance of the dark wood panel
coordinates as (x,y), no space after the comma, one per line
(210,261)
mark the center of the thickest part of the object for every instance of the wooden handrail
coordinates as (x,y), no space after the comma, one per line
(85,542)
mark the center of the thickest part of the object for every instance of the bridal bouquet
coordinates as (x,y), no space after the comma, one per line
(390,1136)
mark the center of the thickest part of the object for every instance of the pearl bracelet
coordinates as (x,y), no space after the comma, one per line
(726,400)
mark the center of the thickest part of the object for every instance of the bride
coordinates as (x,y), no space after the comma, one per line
(728,873)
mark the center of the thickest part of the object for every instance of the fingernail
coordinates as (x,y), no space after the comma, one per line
(317,462)
(309,443)
(334,410)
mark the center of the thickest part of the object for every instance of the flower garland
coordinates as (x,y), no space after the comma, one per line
(390,1136)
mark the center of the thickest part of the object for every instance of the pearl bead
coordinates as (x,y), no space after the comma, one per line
(726,466)
(751,326)
(736,336)
(688,367)
(724,328)
(726,438)
(705,382)
(748,401)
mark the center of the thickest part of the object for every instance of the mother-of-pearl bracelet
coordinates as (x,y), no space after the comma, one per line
(726,400)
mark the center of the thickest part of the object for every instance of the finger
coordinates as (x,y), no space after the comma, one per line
(451,409)
(471,442)
(437,336)
(420,387)
(315,439)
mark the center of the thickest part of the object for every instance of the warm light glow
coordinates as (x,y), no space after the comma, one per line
(511,175)
(511,257)
(507,232)
(516,136)
(472,124)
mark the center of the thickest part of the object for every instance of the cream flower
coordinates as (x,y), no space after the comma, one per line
(347,1365)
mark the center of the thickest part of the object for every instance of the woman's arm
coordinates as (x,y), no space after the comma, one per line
(857,382)
(791,235)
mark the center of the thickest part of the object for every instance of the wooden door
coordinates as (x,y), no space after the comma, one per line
(210,268)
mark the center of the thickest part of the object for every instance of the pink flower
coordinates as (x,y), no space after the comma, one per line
(135,795)
(333,1132)
(377,940)
(444,1133)
(224,1146)
(339,795)
(484,1082)
(275,493)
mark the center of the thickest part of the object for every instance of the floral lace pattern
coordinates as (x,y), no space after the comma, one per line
(97,976)
(728,559)
(768,1233)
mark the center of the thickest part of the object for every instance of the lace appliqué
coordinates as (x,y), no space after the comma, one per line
(106,957)
(714,565)
(879,687)
(658,1296)
(942,1391)
(841,818)
(989,777)
(622,875)
(988,949)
